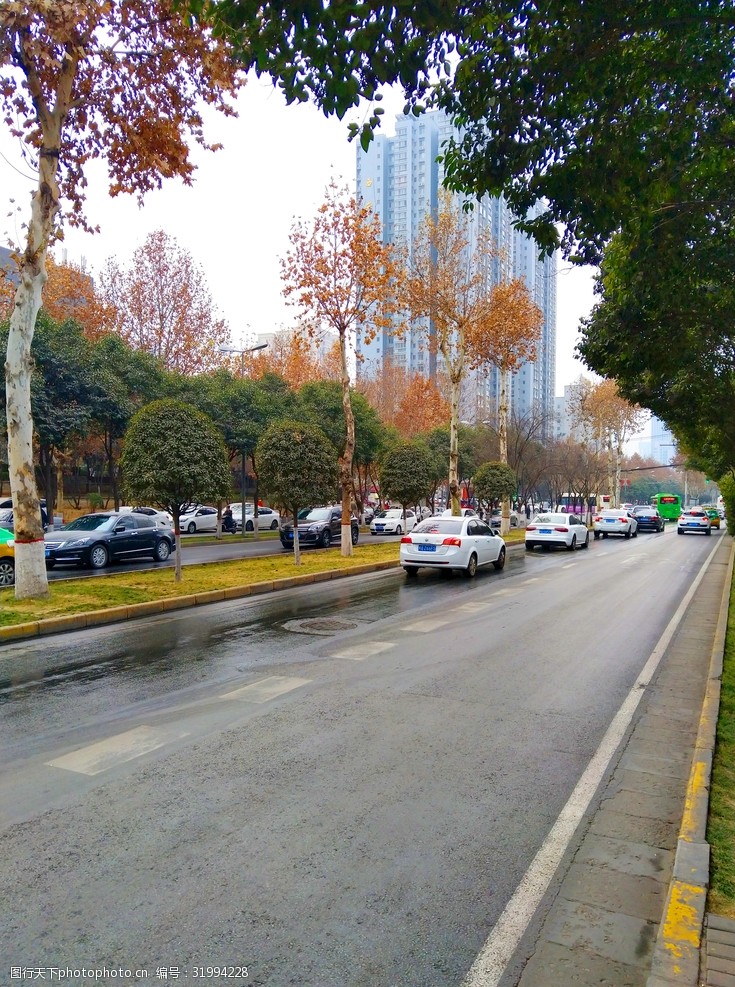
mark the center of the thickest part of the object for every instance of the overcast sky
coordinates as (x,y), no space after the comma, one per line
(235,220)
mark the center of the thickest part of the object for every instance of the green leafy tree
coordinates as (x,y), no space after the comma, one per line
(298,468)
(493,482)
(406,474)
(173,455)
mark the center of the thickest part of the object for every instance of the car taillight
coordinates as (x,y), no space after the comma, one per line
(530,527)
(406,540)
(561,528)
(597,519)
(452,541)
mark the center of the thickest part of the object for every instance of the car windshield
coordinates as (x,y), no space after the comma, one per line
(317,514)
(92,522)
(644,510)
(550,519)
(440,526)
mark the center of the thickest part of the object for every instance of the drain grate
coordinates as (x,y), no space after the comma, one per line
(319,625)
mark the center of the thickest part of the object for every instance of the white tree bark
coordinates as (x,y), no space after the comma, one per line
(346,459)
(503,440)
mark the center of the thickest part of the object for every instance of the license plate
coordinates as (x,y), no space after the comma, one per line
(290,535)
(544,531)
(610,520)
(380,527)
(427,548)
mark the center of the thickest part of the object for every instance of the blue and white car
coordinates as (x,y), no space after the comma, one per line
(548,530)
(615,521)
(392,522)
(447,543)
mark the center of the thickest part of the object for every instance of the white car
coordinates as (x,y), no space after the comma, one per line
(199,518)
(496,518)
(267,518)
(463,512)
(162,518)
(694,520)
(615,521)
(564,530)
(391,522)
(448,543)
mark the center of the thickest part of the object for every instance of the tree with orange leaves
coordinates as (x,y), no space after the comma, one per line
(385,388)
(446,292)
(293,357)
(340,274)
(69,293)
(423,407)
(506,340)
(164,306)
(123,81)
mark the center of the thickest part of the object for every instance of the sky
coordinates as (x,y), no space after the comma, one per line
(235,220)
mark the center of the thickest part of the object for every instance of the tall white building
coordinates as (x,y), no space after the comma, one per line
(400,178)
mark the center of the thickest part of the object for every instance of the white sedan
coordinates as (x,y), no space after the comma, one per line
(267,518)
(616,521)
(565,530)
(391,522)
(448,543)
(199,518)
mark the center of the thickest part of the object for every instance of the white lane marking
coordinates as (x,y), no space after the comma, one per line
(424,626)
(474,607)
(568,565)
(491,962)
(359,652)
(266,689)
(533,579)
(105,754)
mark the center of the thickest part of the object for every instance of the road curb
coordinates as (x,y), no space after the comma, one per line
(677,949)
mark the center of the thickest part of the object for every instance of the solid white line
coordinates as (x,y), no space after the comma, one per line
(502,942)
(266,689)
(106,754)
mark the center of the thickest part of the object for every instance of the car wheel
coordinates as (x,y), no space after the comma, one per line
(274,525)
(679,531)
(162,551)
(7,572)
(708,531)
(249,526)
(635,533)
(499,563)
(586,541)
(191,528)
(597,535)
(530,546)
(98,557)
(410,571)
(604,534)
(573,545)
(326,538)
(355,535)
(471,570)
(627,534)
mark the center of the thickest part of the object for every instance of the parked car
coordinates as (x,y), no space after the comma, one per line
(693,520)
(7,558)
(94,540)
(648,518)
(615,521)
(7,516)
(392,522)
(448,543)
(714,516)
(198,518)
(267,518)
(496,518)
(564,530)
(318,526)
(162,518)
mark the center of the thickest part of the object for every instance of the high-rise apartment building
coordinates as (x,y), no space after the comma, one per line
(401,179)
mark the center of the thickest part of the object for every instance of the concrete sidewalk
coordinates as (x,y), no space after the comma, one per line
(629,911)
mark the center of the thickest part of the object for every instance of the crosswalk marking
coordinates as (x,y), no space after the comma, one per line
(426,625)
(359,652)
(106,754)
(265,689)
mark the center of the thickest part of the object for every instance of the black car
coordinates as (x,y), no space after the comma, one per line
(94,540)
(318,526)
(648,518)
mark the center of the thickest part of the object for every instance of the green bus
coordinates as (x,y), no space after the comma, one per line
(668,506)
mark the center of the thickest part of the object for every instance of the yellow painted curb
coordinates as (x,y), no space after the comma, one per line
(20,630)
(68,622)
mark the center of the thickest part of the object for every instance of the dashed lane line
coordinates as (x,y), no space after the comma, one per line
(106,754)
(359,652)
(266,689)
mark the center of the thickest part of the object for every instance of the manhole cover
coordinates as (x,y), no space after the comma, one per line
(319,625)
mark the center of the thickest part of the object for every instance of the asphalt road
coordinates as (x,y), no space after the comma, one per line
(338,786)
(197,549)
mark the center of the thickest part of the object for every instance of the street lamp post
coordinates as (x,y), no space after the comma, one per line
(242,352)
